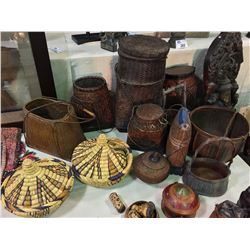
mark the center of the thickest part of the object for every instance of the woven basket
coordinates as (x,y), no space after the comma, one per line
(142,59)
(37,189)
(91,92)
(101,162)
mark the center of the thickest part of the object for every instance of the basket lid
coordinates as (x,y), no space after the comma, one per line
(37,188)
(149,112)
(102,161)
(179,71)
(144,46)
(180,199)
(154,160)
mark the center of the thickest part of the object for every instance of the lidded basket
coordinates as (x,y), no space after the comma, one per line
(38,188)
(101,162)
(142,59)
(151,167)
(179,200)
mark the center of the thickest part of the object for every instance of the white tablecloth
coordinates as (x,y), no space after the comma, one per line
(88,201)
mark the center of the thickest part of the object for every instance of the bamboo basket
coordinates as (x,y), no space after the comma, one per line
(101,162)
(37,189)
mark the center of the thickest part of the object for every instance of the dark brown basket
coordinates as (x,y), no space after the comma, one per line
(213,122)
(129,95)
(91,92)
(142,59)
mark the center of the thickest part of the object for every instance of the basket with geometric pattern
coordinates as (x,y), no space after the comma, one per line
(101,162)
(37,188)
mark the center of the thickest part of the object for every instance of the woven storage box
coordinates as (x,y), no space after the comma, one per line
(38,188)
(142,59)
(101,162)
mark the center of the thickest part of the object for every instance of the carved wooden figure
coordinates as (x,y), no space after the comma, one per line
(221,67)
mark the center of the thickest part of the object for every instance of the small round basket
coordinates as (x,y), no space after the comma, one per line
(101,162)
(38,188)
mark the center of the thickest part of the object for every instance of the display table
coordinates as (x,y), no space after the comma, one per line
(88,201)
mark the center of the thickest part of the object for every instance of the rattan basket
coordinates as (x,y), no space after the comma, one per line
(101,162)
(37,189)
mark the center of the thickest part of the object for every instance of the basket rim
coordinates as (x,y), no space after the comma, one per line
(200,130)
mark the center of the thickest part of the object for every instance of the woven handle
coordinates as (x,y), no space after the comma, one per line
(208,141)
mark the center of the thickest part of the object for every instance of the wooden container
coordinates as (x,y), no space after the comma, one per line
(101,162)
(178,139)
(207,176)
(142,209)
(51,126)
(91,92)
(38,188)
(142,59)
(151,167)
(213,122)
(147,127)
(131,94)
(181,74)
(179,200)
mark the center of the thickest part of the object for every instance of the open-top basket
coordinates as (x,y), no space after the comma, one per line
(208,176)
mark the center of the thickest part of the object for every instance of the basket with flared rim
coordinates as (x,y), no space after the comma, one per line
(38,188)
(101,162)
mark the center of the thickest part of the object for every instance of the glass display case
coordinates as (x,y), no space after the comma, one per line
(25,73)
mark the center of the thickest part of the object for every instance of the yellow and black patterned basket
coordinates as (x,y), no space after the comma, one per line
(38,188)
(101,162)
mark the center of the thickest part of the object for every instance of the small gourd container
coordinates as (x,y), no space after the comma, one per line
(151,167)
(101,162)
(179,200)
(38,188)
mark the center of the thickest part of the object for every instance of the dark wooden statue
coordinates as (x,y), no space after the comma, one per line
(221,67)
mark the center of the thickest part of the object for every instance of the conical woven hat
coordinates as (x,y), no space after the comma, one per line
(101,162)
(37,188)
